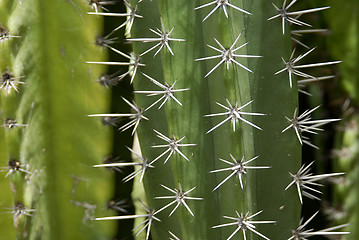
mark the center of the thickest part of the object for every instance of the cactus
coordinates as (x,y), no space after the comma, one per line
(344,207)
(216,90)
(214,113)
(55,193)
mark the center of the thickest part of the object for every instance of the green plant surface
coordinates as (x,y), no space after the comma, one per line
(346,192)
(11,186)
(271,95)
(344,43)
(60,143)
(233,101)
(6,196)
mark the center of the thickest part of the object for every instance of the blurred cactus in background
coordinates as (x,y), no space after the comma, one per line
(344,42)
(46,92)
(211,114)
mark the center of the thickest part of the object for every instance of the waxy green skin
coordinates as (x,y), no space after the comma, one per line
(58,93)
(264,189)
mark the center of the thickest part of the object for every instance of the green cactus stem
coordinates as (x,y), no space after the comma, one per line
(215,89)
(214,118)
(345,31)
(58,191)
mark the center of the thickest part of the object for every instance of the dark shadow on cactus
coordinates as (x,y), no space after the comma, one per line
(121,139)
